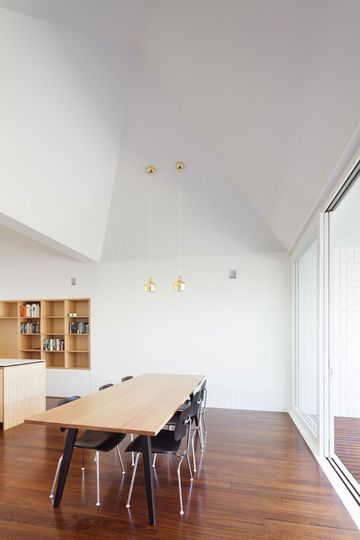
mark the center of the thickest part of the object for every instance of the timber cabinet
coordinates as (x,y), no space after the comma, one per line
(22,390)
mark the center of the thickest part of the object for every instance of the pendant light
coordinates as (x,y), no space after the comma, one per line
(179,283)
(149,285)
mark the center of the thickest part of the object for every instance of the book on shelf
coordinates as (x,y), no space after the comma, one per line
(30,328)
(30,310)
(78,328)
(53,344)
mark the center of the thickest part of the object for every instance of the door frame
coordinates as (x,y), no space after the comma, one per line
(327,380)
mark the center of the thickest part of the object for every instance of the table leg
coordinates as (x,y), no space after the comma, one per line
(149,483)
(68,450)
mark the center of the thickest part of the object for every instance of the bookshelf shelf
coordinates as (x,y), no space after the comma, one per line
(51,318)
(8,309)
(55,367)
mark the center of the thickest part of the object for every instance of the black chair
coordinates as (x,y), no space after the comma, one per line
(203,395)
(127,378)
(124,379)
(100,441)
(108,385)
(104,386)
(67,400)
(166,442)
(195,424)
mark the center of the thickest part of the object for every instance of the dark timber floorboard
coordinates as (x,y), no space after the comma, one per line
(347,443)
(257,479)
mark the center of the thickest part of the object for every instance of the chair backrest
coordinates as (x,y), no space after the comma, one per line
(62,402)
(203,391)
(181,426)
(203,395)
(67,400)
(195,405)
(127,378)
(105,386)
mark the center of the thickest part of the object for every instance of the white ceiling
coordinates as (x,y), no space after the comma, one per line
(258,97)
(216,217)
(118,21)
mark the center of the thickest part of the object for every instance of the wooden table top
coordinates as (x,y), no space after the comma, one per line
(141,405)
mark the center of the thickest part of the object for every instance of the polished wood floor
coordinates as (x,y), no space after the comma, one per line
(256,480)
(347,443)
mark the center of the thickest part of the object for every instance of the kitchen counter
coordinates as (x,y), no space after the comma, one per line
(22,390)
(5,362)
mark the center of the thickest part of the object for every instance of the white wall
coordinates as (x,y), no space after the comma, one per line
(234,332)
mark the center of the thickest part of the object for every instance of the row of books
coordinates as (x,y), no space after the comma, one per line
(53,344)
(79,328)
(30,328)
(30,310)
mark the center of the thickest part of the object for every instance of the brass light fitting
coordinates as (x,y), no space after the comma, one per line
(179,285)
(180,166)
(149,285)
(151,169)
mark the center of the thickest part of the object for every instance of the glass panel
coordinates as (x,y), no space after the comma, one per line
(345,330)
(307,334)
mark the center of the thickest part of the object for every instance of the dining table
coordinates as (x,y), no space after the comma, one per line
(142,406)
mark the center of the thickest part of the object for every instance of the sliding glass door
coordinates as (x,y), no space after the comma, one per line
(307,298)
(344,330)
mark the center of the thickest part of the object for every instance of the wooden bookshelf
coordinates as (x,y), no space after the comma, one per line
(23,332)
(9,330)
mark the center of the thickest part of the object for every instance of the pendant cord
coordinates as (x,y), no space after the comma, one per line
(150,224)
(179,224)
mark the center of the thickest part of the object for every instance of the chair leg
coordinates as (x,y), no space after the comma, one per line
(189,465)
(203,422)
(97,478)
(132,480)
(51,496)
(154,460)
(201,436)
(120,458)
(83,460)
(132,453)
(179,481)
(193,450)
